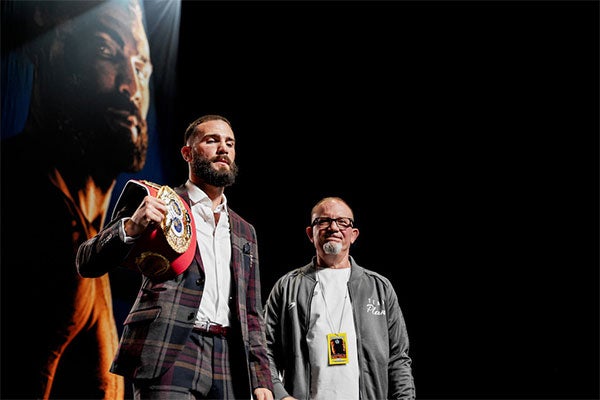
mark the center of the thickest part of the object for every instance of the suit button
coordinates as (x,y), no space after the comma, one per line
(199,281)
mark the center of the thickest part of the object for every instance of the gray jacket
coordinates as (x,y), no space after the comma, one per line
(384,363)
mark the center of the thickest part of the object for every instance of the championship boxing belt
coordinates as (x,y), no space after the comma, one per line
(163,251)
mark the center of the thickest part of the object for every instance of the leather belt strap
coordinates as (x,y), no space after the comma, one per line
(212,329)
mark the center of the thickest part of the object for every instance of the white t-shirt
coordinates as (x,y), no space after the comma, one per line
(330,306)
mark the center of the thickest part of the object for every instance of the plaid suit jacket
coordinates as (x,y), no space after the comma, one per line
(163,314)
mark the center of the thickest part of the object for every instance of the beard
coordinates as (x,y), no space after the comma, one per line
(202,168)
(332,248)
(88,138)
(97,146)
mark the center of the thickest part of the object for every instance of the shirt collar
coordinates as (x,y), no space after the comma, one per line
(197,196)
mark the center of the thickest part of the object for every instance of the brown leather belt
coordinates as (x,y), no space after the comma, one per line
(212,329)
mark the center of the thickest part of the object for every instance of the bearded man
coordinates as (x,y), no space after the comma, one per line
(86,125)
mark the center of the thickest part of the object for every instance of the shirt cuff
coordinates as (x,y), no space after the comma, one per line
(123,234)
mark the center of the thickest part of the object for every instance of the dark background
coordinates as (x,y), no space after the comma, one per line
(463,134)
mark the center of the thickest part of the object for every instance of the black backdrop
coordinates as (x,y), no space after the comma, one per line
(465,137)
(463,134)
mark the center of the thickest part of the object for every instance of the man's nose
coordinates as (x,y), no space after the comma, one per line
(129,84)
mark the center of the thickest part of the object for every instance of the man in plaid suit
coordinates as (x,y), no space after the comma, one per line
(198,314)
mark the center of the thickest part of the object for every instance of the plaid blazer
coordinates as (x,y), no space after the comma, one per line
(163,314)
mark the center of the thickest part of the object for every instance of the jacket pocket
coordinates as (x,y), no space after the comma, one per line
(147,315)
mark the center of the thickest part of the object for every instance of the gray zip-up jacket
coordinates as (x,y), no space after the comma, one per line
(382,340)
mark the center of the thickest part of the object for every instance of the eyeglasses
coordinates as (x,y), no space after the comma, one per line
(342,222)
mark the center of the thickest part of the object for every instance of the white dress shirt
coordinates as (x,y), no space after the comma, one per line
(215,248)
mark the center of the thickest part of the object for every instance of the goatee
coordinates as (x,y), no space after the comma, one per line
(332,247)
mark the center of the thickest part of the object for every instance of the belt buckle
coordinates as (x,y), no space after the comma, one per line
(205,325)
(213,328)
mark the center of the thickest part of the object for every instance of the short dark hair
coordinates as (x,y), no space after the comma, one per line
(30,21)
(191,129)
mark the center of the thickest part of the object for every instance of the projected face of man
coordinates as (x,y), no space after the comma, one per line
(100,88)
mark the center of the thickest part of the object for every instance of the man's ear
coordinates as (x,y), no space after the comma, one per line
(355,233)
(185,152)
(309,233)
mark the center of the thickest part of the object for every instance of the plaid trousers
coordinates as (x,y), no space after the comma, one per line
(201,371)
